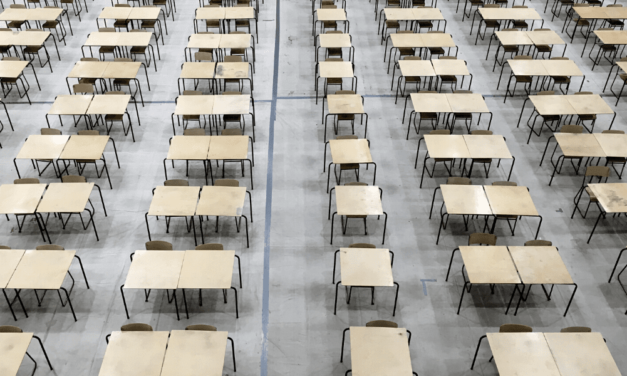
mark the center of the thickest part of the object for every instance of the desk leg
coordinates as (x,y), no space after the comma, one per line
(396,298)
(44,351)
(236,304)
(124,301)
(477,352)
(571,299)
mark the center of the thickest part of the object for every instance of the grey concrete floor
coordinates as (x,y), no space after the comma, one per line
(303,335)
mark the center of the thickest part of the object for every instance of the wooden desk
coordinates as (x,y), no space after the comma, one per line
(194,352)
(134,353)
(334,41)
(612,199)
(119,39)
(13,347)
(173,202)
(196,71)
(447,103)
(69,105)
(541,68)
(462,200)
(522,354)
(231,148)
(334,69)
(240,71)
(446,147)
(328,15)
(344,104)
(487,147)
(154,270)
(365,267)
(357,201)
(208,270)
(12,69)
(581,354)
(223,202)
(348,152)
(41,147)
(613,145)
(514,201)
(380,351)
(575,146)
(87,149)
(44,270)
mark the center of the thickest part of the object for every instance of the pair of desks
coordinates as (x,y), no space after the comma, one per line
(464,147)
(220,42)
(55,148)
(190,201)
(357,202)
(364,268)
(540,68)
(450,104)
(36,270)
(565,105)
(173,270)
(212,105)
(486,201)
(523,38)
(13,347)
(208,148)
(212,72)
(431,68)
(132,14)
(179,352)
(518,266)
(35,14)
(412,15)
(121,40)
(87,105)
(594,15)
(28,38)
(419,41)
(225,15)
(550,354)
(579,146)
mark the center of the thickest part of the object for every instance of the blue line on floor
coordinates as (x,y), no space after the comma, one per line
(424,284)
(265,309)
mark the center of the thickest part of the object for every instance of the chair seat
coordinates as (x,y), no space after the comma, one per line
(448,78)
(88,81)
(551,117)
(15,24)
(608,47)
(346,117)
(122,81)
(392,24)
(114,117)
(231,118)
(121,23)
(50,24)
(463,115)
(581,22)
(436,50)
(191,117)
(138,50)
(616,159)
(106,50)
(561,79)
(623,76)
(148,24)
(349,166)
(510,49)
(524,79)
(508,217)
(476,2)
(238,51)
(329,24)
(242,23)
(406,51)
(203,56)
(8,80)
(520,24)
(334,51)
(587,117)
(357,216)
(482,160)
(543,48)
(425,24)
(443,159)
(32,49)
(334,81)
(412,79)
(428,115)
(492,24)
(593,198)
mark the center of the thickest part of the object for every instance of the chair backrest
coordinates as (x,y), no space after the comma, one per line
(511,29)
(559,58)
(491,6)
(49,247)
(50,132)
(538,243)
(231,132)
(381,324)
(362,245)
(505,183)
(440,131)
(17,6)
(520,6)
(615,5)
(26,181)
(482,238)
(210,247)
(89,132)
(123,60)
(546,92)
(577,5)
(598,171)
(115,93)
(136,327)
(542,29)
(176,183)
(454,180)
(122,6)
(73,179)
(435,32)
(515,328)
(10,58)
(158,245)
(226,183)
(237,32)
(571,128)
(192,92)
(412,58)
(481,132)
(4,247)
(333,59)
(345,92)
(576,329)
(462,91)
(83,89)
(584,93)
(405,32)
(233,59)
(203,327)
(334,32)
(107,30)
(89,59)
(194,132)
(10,329)
(522,57)
(356,183)
(347,137)
(447,58)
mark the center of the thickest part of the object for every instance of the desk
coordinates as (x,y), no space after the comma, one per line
(154,270)
(419,41)
(204,41)
(196,71)
(348,152)
(208,270)
(575,146)
(488,147)
(113,107)
(188,148)
(412,68)
(379,351)
(344,104)
(581,354)
(241,13)
(231,148)
(13,347)
(221,201)
(22,200)
(364,267)
(612,198)
(335,41)
(522,354)
(74,105)
(194,352)
(359,202)
(334,69)
(134,353)
(9,258)
(45,270)
(235,105)
(41,147)
(133,14)
(330,15)
(234,71)
(174,202)
(508,201)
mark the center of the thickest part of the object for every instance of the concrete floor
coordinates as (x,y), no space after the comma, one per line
(303,335)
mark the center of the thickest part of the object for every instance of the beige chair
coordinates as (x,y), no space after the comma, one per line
(607,51)
(26,181)
(592,172)
(176,183)
(407,79)
(202,327)
(159,245)
(194,132)
(576,329)
(73,179)
(489,24)
(344,117)
(76,6)
(538,243)
(204,54)
(84,89)
(520,24)
(136,327)
(561,80)
(210,247)
(479,238)
(49,247)
(239,119)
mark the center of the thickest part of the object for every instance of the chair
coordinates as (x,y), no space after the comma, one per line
(83,89)
(82,163)
(402,51)
(592,172)
(233,59)
(210,247)
(334,52)
(49,247)
(507,218)
(104,50)
(73,179)
(240,51)
(346,166)
(204,54)
(4,247)
(567,128)
(158,245)
(576,329)
(538,243)
(486,162)
(332,81)
(551,121)
(362,245)
(525,80)
(5,50)
(202,327)
(194,132)
(381,324)
(428,25)
(481,238)
(472,3)
(26,181)
(616,160)
(136,327)
(344,117)
(118,83)
(176,183)
(76,6)
(515,328)
(47,132)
